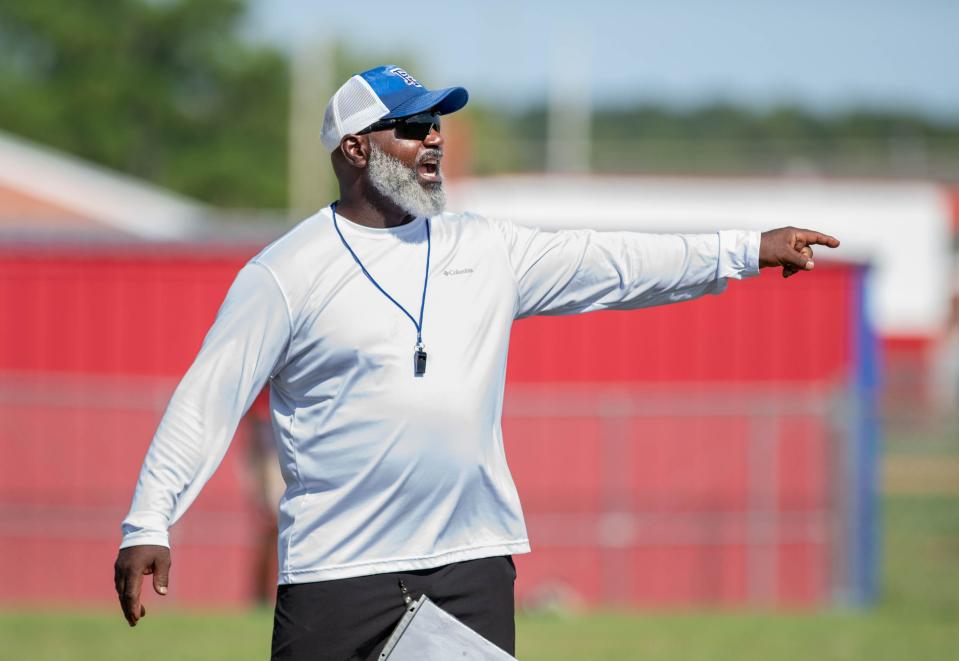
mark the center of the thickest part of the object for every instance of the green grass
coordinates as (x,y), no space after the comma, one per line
(103,635)
(917,616)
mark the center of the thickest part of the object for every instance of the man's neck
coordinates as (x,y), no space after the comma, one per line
(370,213)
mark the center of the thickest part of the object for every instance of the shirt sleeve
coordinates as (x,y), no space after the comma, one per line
(575,271)
(244,347)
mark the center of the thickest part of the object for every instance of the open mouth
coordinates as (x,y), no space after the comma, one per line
(429,170)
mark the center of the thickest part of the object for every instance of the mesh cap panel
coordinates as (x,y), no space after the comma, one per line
(353,107)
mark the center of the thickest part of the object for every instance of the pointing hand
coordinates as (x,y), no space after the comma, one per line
(791,248)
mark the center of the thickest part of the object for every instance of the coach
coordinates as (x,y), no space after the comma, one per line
(381,324)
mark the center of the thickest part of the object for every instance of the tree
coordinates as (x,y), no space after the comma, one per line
(166,90)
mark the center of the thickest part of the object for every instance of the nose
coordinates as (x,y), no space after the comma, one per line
(434,138)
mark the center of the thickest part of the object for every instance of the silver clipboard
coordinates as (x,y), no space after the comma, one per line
(428,633)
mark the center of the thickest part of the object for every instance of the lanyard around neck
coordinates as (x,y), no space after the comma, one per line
(426,279)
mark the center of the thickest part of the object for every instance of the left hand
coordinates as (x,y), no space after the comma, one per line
(791,248)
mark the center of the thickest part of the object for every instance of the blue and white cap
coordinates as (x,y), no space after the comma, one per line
(382,93)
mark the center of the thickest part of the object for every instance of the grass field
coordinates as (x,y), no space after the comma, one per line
(917,616)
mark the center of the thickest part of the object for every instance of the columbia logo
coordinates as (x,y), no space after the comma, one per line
(457,271)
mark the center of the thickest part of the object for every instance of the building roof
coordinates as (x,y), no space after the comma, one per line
(901,228)
(43,190)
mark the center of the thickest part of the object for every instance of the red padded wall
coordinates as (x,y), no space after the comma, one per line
(93,339)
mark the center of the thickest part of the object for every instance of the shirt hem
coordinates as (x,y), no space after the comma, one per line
(313,575)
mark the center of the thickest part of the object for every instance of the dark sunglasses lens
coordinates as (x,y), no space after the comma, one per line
(417,127)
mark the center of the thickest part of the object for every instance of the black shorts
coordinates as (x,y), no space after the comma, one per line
(351,619)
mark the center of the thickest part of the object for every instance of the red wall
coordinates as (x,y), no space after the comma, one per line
(765,329)
(92,340)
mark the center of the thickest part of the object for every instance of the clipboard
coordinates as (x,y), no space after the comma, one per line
(428,633)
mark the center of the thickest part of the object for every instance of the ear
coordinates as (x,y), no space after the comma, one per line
(355,149)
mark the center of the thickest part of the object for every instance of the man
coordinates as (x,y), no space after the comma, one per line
(386,377)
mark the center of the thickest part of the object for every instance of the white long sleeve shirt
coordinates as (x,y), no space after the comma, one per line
(385,470)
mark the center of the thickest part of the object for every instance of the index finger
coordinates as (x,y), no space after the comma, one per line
(811,237)
(130,597)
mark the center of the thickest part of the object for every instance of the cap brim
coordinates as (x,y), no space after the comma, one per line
(444,101)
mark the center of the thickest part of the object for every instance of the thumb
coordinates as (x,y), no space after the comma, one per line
(161,575)
(798,260)
(789,269)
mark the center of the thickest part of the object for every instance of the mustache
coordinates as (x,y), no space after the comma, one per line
(430,154)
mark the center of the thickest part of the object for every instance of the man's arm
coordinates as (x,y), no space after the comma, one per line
(575,271)
(245,346)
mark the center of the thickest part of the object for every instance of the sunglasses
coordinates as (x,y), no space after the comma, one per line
(414,127)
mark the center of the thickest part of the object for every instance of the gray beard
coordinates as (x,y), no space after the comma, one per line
(398,184)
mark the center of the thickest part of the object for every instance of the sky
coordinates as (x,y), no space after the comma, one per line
(826,56)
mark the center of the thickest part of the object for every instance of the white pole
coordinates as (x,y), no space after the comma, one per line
(311,73)
(569,109)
